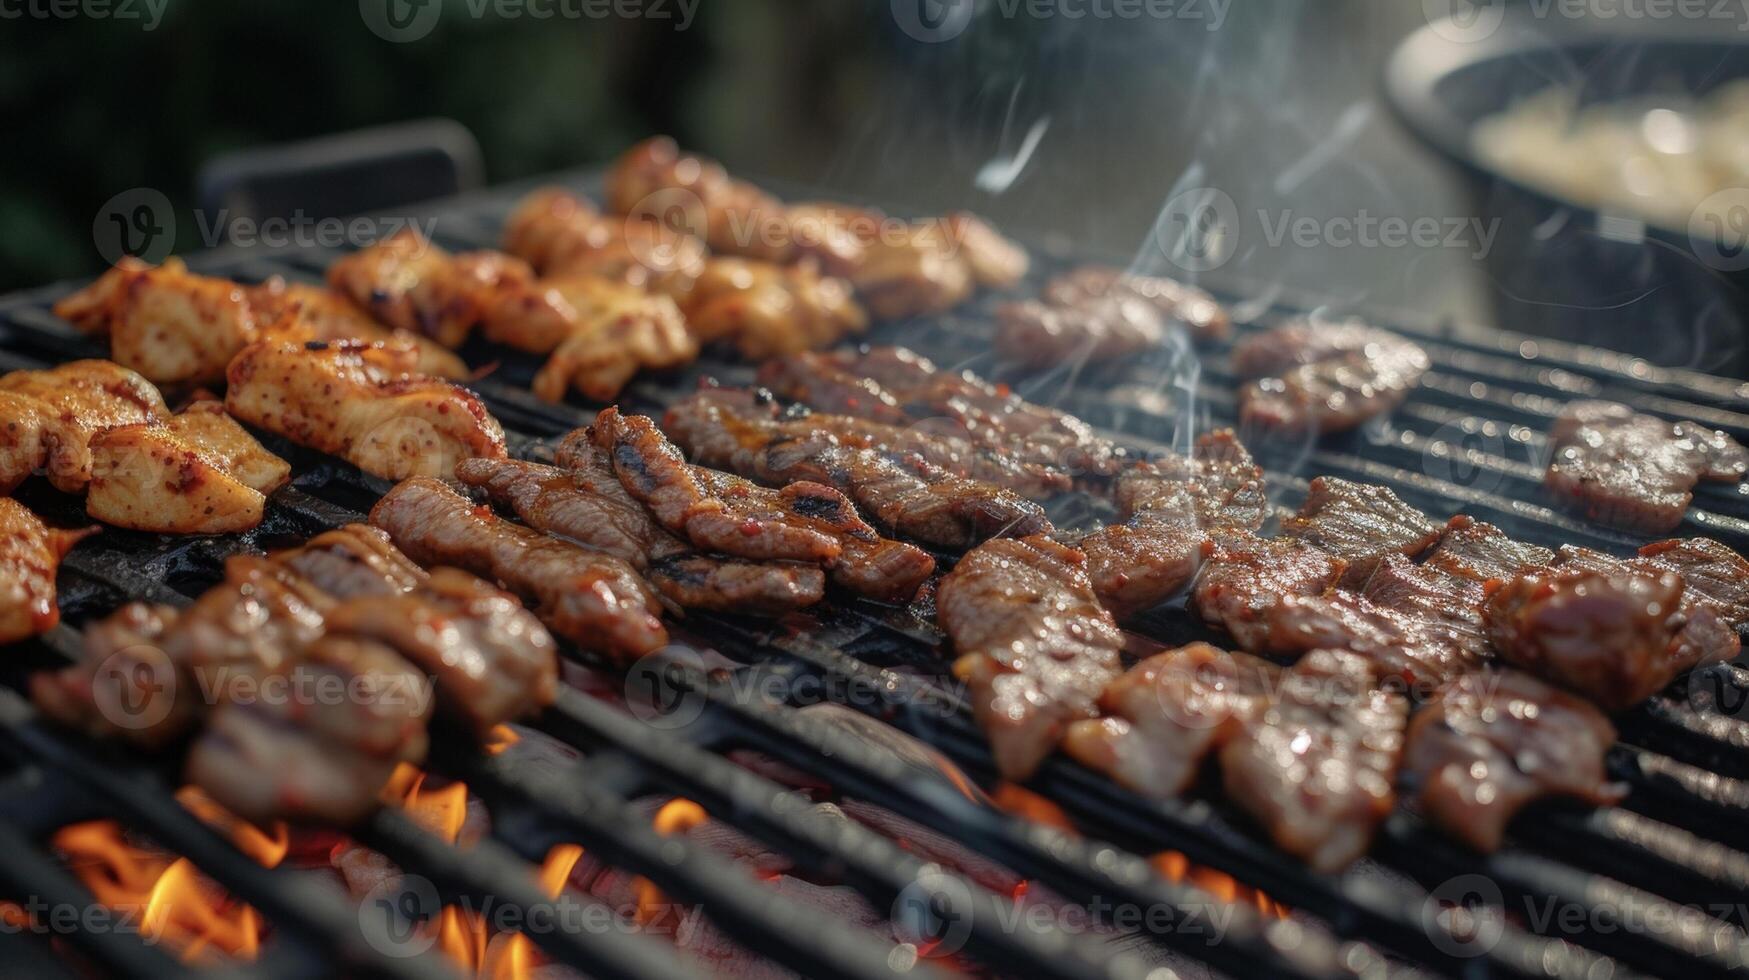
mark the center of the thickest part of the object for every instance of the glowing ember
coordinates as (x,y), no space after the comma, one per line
(174,904)
(1174,866)
(677,816)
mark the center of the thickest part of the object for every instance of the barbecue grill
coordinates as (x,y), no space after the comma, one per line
(1650,886)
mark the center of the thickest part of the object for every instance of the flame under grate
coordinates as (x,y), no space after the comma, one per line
(1469,440)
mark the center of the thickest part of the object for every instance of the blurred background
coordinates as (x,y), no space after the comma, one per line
(1072,120)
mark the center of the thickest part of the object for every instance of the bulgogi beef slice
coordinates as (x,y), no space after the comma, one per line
(1360,523)
(1445,610)
(1320,378)
(1635,472)
(1034,646)
(1316,766)
(1244,577)
(1704,632)
(1478,551)
(1492,741)
(1404,650)
(1141,563)
(1615,636)
(1713,573)
(1165,715)
(1184,303)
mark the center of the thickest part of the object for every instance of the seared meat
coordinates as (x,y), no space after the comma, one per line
(593,599)
(766,309)
(1185,304)
(123,680)
(1408,652)
(1360,523)
(1244,578)
(315,758)
(599,332)
(933,266)
(1445,613)
(738,218)
(1174,507)
(1037,334)
(1471,549)
(1165,715)
(1617,637)
(71,403)
(492,660)
(1635,472)
(296,312)
(410,284)
(361,402)
(33,439)
(170,325)
(1706,633)
(1315,767)
(1035,647)
(1712,572)
(738,431)
(562,236)
(197,473)
(354,561)
(1495,740)
(586,503)
(1324,377)
(30,556)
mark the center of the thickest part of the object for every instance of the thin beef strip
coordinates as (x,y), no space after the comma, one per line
(1635,472)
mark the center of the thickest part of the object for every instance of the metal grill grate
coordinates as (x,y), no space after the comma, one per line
(1677,841)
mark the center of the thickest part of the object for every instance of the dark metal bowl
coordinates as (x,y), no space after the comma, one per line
(1676,296)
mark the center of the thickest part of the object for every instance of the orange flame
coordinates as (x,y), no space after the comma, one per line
(174,902)
(677,816)
(1174,866)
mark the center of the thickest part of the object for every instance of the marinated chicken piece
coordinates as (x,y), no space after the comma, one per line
(592,599)
(1035,648)
(1165,715)
(836,236)
(737,218)
(1315,767)
(361,402)
(84,398)
(1712,572)
(317,759)
(995,261)
(354,561)
(1179,302)
(1324,377)
(1616,637)
(585,503)
(197,473)
(563,237)
(146,677)
(34,439)
(492,659)
(1635,472)
(917,275)
(892,386)
(1360,523)
(739,431)
(552,226)
(1174,506)
(766,309)
(409,283)
(1474,550)
(30,557)
(1243,578)
(296,312)
(1494,741)
(609,348)
(170,325)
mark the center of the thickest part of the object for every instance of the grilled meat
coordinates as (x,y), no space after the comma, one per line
(1315,767)
(354,561)
(1038,334)
(361,402)
(1443,611)
(1179,302)
(766,309)
(1635,472)
(562,236)
(411,284)
(1705,632)
(611,344)
(1477,551)
(82,398)
(170,325)
(1310,377)
(314,758)
(1034,646)
(593,599)
(1616,637)
(1174,506)
(586,503)
(1713,574)
(934,265)
(492,660)
(1493,741)
(739,431)
(30,556)
(738,218)
(296,312)
(33,439)
(1165,715)
(1243,578)
(1360,523)
(198,472)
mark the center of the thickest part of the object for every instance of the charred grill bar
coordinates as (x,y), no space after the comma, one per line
(1470,438)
